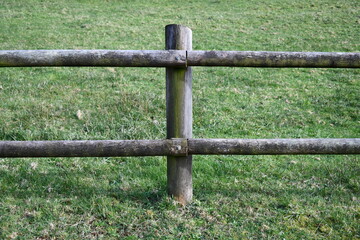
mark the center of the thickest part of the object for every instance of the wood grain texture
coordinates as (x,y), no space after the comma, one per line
(92,58)
(176,58)
(179,147)
(274,59)
(179,114)
(93,148)
(274,146)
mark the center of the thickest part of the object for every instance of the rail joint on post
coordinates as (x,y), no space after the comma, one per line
(179,147)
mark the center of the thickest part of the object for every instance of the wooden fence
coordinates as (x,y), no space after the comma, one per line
(178,58)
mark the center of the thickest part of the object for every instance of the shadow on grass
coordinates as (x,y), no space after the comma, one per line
(68,184)
(150,190)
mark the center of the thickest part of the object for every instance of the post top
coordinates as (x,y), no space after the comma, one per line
(178,37)
(177,26)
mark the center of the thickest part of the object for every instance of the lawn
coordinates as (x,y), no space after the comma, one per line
(235,197)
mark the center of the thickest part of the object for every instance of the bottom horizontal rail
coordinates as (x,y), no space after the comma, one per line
(178,147)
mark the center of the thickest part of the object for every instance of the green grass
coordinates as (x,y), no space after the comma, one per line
(235,197)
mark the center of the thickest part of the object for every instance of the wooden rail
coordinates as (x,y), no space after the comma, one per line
(178,147)
(178,58)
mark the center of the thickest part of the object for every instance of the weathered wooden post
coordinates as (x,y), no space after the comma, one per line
(179,114)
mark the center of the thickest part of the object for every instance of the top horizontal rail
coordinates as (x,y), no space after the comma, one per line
(92,58)
(274,59)
(176,58)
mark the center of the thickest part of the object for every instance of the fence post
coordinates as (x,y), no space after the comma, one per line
(179,114)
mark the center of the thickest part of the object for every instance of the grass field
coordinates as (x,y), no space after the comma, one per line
(235,197)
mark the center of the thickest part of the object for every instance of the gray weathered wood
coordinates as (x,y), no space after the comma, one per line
(176,58)
(274,59)
(178,147)
(274,146)
(179,114)
(99,148)
(92,58)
